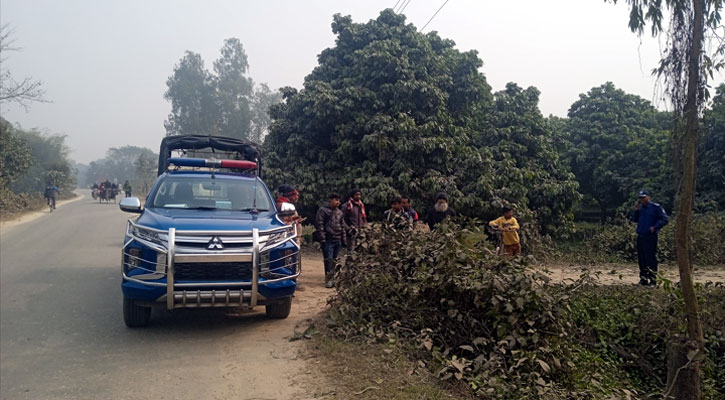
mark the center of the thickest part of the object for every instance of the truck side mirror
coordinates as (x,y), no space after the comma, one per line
(130,204)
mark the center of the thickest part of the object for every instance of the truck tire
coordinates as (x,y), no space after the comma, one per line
(279,310)
(134,315)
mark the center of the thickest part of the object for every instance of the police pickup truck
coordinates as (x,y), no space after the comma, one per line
(208,235)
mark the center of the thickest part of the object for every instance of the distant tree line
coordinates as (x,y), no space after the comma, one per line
(132,163)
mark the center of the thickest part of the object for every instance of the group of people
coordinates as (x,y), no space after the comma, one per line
(339,220)
(108,185)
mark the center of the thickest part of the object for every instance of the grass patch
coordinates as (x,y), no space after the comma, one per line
(358,369)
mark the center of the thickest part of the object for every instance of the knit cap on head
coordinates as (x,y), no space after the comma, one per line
(442,195)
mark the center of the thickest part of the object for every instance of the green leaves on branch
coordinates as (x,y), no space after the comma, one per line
(618,144)
(395,112)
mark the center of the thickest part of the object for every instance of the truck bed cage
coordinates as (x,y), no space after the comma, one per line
(204,144)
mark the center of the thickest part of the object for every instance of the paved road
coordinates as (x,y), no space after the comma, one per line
(62,335)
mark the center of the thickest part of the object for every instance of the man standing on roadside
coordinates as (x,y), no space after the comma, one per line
(330,232)
(650,218)
(353,212)
(440,211)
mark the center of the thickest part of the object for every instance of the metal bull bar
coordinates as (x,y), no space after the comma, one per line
(219,294)
(224,296)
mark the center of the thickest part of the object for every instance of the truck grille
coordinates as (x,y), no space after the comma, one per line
(213,271)
(205,245)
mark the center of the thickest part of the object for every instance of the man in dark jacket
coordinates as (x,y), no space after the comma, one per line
(355,217)
(650,218)
(440,211)
(330,231)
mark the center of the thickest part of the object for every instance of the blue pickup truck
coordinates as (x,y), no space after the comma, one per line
(208,235)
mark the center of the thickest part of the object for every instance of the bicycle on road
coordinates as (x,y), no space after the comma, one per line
(50,193)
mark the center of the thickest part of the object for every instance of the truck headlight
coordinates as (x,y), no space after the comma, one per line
(275,239)
(147,234)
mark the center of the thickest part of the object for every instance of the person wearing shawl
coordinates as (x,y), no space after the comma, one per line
(440,210)
(353,212)
(287,194)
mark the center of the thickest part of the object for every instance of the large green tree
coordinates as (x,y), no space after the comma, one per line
(617,146)
(263,99)
(233,90)
(393,111)
(50,163)
(223,102)
(192,93)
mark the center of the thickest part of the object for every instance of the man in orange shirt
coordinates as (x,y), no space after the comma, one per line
(509,226)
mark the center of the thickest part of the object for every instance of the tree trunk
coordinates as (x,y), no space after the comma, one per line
(682,376)
(685,201)
(602,212)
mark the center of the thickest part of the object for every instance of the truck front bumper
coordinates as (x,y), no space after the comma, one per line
(150,281)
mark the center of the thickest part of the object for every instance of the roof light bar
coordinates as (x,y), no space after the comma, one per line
(203,162)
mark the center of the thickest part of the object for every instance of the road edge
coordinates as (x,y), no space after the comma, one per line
(5,225)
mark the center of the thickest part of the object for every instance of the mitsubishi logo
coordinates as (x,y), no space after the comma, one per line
(215,244)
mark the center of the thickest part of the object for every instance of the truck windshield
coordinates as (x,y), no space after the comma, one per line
(204,193)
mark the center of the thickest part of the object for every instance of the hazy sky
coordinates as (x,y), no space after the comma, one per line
(104,64)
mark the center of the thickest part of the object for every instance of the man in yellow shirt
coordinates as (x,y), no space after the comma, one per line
(509,226)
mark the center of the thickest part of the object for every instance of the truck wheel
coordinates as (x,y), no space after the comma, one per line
(279,310)
(135,316)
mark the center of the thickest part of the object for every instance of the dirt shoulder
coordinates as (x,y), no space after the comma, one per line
(357,369)
(20,218)
(276,349)
(621,273)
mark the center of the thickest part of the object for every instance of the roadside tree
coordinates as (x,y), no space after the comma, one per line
(616,146)
(191,91)
(393,111)
(224,102)
(693,52)
(15,156)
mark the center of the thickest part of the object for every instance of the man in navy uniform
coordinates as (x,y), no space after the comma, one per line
(650,218)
